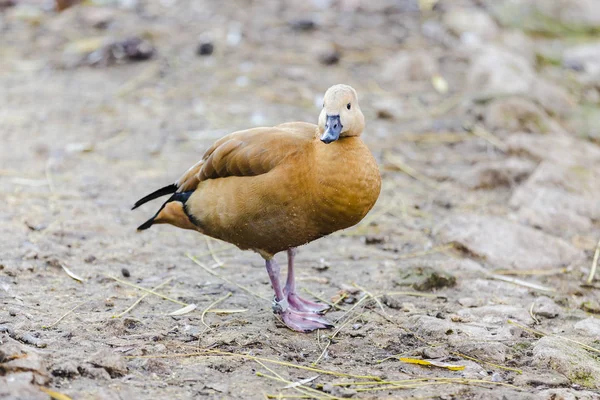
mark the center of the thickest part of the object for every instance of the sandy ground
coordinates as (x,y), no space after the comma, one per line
(483,120)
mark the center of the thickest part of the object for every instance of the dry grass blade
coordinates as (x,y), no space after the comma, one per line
(64,315)
(590,278)
(484,134)
(532,315)
(54,395)
(209,353)
(71,274)
(245,289)
(295,385)
(162,296)
(138,301)
(211,305)
(227,311)
(433,250)
(518,371)
(335,333)
(371,296)
(397,162)
(414,294)
(185,310)
(521,282)
(531,272)
(320,395)
(217,260)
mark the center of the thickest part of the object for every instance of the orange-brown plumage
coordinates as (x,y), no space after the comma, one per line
(274,189)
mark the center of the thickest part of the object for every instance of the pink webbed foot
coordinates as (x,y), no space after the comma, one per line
(299,304)
(298,320)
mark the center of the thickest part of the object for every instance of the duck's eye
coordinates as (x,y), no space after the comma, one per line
(348,106)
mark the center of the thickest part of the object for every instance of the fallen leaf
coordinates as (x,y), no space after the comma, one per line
(451,367)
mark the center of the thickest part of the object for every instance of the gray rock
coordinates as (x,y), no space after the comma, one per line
(546,307)
(506,172)
(505,244)
(495,314)
(560,149)
(495,71)
(568,359)
(561,199)
(410,66)
(567,394)
(494,352)
(588,327)
(471,21)
(111,362)
(541,379)
(434,352)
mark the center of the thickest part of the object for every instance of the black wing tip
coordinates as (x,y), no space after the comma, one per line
(169,189)
(146,225)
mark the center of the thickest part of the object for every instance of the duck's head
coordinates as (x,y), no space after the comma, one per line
(341,115)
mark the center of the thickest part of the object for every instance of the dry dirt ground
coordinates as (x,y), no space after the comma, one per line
(483,116)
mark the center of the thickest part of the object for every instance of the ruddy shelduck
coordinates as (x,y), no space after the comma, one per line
(274,189)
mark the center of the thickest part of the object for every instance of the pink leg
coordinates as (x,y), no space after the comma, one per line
(295,319)
(295,301)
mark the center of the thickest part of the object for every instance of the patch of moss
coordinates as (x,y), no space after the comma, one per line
(425,278)
(583,378)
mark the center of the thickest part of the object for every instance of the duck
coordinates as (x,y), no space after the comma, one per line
(274,189)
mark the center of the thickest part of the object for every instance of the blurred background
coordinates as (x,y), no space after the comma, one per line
(484,116)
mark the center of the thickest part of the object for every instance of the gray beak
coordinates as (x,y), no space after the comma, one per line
(333,128)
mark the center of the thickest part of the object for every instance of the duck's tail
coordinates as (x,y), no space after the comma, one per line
(171,212)
(169,189)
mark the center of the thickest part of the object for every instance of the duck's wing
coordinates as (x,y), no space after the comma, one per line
(244,153)
(247,153)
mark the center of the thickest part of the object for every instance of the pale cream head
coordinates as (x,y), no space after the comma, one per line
(341,115)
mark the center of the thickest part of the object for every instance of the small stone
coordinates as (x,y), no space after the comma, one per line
(109,361)
(323,265)
(205,49)
(125,272)
(467,302)
(433,353)
(410,66)
(496,377)
(474,21)
(303,25)
(90,259)
(408,307)
(330,55)
(373,239)
(545,307)
(541,379)
(589,327)
(391,302)
(66,369)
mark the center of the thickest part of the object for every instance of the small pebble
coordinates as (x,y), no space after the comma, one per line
(303,25)
(330,57)
(205,49)
(125,272)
